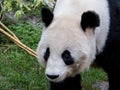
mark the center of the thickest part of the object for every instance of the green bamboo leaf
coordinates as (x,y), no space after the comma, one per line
(27,7)
(18,14)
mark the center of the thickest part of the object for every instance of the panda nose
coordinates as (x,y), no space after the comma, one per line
(52,76)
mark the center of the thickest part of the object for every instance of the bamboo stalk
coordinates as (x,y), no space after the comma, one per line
(17,42)
(5,28)
(9,31)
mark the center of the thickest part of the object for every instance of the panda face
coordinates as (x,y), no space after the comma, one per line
(67,45)
(64,52)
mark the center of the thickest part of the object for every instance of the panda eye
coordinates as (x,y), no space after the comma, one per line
(67,58)
(47,54)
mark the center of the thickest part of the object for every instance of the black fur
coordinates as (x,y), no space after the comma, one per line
(109,59)
(72,83)
(47,54)
(89,19)
(67,58)
(47,16)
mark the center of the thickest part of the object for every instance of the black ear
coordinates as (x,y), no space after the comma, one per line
(47,16)
(89,19)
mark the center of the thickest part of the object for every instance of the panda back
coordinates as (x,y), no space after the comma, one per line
(114,32)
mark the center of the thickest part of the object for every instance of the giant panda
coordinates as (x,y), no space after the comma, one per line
(75,35)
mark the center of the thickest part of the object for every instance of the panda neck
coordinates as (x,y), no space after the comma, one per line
(72,83)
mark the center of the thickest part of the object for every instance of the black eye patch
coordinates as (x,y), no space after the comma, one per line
(67,58)
(47,54)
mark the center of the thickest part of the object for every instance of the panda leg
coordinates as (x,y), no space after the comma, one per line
(113,64)
(109,60)
(72,83)
(114,78)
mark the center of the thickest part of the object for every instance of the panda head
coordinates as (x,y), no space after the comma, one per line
(67,45)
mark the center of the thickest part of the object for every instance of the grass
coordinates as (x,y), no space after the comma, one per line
(92,76)
(20,71)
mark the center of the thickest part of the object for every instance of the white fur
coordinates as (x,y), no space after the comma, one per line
(75,9)
(65,33)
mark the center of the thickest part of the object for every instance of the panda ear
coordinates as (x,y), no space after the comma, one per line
(89,19)
(47,16)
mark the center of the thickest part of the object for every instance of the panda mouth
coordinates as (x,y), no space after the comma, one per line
(61,78)
(58,80)
(69,79)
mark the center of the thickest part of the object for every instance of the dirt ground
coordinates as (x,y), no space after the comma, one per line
(103,85)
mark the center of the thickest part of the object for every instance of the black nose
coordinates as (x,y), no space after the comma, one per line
(52,76)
